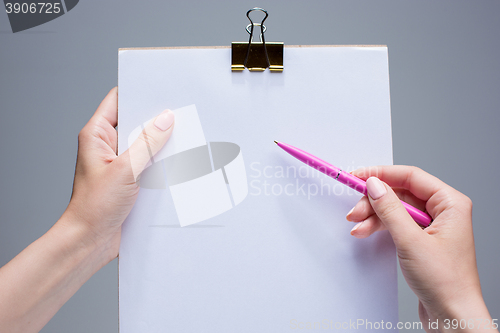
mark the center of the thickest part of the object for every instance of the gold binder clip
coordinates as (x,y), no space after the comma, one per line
(257,56)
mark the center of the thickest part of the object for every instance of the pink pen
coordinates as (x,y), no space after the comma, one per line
(347,179)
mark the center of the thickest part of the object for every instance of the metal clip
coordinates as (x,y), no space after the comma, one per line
(257,56)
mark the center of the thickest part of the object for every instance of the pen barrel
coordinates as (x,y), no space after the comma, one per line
(419,216)
(322,166)
(353,182)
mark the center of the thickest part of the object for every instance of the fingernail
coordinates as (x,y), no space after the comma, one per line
(375,188)
(349,214)
(164,120)
(356,227)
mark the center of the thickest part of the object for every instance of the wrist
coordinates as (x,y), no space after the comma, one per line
(81,235)
(468,315)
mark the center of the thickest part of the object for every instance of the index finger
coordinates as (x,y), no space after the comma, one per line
(422,184)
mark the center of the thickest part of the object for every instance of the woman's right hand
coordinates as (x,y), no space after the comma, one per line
(438,262)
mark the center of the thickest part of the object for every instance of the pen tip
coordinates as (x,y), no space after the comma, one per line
(276,142)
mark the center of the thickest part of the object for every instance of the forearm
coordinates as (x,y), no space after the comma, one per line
(37,282)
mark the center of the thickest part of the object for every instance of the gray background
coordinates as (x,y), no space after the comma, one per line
(445,79)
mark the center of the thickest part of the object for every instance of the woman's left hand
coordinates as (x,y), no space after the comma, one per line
(105,186)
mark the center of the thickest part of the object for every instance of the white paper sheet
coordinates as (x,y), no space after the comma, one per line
(210,190)
(281,256)
(237,183)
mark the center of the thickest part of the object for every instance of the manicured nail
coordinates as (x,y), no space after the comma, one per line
(165,120)
(356,227)
(348,216)
(375,188)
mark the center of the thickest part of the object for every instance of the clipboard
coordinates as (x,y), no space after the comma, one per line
(265,247)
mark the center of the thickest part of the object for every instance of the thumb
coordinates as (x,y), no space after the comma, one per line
(154,136)
(386,204)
